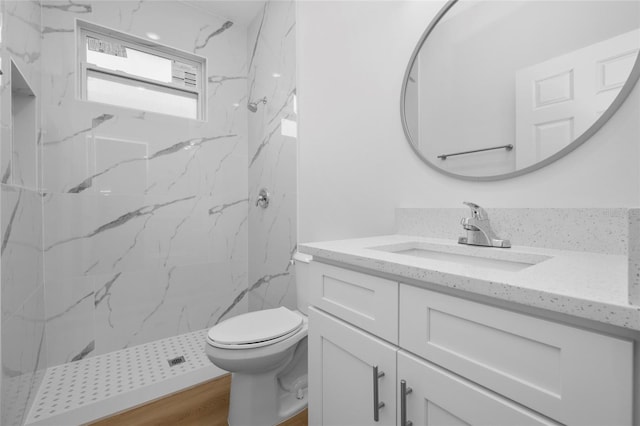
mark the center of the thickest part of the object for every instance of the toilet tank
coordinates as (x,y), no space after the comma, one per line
(301,263)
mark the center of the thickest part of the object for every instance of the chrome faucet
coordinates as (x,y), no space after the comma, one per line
(479,232)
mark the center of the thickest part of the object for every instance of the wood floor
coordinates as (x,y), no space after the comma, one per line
(205,404)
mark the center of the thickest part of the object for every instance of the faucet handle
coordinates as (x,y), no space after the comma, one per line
(477,212)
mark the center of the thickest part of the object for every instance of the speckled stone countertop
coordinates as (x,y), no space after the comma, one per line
(582,284)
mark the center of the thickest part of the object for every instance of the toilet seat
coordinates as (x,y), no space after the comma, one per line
(255,329)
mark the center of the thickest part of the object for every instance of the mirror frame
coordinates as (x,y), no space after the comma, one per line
(609,112)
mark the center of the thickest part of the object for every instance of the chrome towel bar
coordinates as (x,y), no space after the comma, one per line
(507,147)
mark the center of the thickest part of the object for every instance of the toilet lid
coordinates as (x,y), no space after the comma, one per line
(258,326)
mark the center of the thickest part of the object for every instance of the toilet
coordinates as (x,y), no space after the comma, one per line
(266,352)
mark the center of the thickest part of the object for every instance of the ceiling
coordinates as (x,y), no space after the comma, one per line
(239,11)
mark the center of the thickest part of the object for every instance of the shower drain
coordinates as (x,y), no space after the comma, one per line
(176,361)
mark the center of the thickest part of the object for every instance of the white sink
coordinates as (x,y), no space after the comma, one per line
(483,257)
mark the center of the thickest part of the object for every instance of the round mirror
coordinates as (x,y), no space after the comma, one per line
(496,89)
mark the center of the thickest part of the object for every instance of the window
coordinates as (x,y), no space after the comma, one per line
(127,71)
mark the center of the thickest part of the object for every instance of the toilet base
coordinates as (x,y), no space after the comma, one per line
(258,400)
(272,397)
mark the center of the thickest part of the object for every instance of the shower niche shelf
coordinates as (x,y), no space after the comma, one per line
(23,165)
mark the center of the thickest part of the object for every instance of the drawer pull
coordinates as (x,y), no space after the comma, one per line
(377,404)
(404,391)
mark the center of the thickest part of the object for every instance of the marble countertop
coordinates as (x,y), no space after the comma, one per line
(582,284)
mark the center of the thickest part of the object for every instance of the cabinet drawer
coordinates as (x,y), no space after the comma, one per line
(368,302)
(572,375)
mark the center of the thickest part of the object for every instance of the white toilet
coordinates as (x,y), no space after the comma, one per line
(267,353)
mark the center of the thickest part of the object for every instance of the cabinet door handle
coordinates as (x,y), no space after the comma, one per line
(377,405)
(404,391)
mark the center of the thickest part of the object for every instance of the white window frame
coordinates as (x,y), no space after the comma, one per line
(86,29)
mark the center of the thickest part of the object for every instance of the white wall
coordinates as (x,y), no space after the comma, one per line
(355,166)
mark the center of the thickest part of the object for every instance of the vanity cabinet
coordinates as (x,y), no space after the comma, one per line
(466,362)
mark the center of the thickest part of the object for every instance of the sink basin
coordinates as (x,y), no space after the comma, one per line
(483,257)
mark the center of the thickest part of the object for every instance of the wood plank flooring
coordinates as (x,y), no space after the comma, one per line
(205,404)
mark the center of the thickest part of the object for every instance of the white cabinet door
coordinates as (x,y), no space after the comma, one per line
(440,398)
(341,374)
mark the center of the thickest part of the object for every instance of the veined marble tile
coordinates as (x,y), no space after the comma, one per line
(23,357)
(101,234)
(25,126)
(22,259)
(109,153)
(5,140)
(274,290)
(272,157)
(272,231)
(138,307)
(272,55)
(23,337)
(5,119)
(21,38)
(24,351)
(69,122)
(22,47)
(70,319)
(146,215)
(94,304)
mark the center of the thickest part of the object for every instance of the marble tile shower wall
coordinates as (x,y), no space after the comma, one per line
(272,156)
(22,283)
(23,312)
(145,215)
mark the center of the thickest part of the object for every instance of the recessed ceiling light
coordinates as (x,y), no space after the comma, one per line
(276,75)
(153,36)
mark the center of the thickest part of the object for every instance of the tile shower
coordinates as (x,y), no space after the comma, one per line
(124,227)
